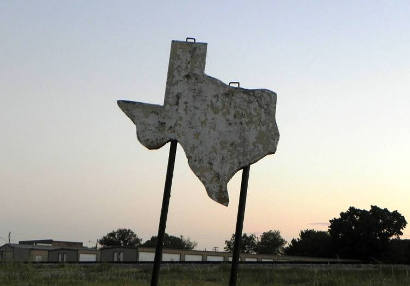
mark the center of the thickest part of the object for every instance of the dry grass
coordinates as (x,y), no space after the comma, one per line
(203,275)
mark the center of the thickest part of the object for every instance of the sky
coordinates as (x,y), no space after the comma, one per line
(72,169)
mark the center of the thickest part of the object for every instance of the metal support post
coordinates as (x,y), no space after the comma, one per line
(239,226)
(164,213)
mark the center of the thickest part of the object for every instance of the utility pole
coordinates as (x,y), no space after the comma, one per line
(9,236)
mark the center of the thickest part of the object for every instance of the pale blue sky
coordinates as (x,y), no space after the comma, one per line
(71,167)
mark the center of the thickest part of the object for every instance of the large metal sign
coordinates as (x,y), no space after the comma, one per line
(221,128)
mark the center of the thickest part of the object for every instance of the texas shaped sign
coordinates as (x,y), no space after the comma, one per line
(221,128)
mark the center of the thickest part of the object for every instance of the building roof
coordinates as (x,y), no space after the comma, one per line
(50,241)
(118,246)
(64,249)
(44,247)
(28,246)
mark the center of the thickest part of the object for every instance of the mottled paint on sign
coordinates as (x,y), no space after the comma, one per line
(221,128)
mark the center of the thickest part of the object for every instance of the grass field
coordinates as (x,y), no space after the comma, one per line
(203,275)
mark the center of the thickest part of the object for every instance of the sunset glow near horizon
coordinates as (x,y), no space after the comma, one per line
(72,168)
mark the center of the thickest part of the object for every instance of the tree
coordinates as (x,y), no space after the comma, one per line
(311,243)
(398,252)
(270,242)
(248,243)
(120,237)
(365,234)
(171,242)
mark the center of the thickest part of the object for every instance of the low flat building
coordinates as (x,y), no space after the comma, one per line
(146,254)
(47,250)
(63,255)
(118,254)
(51,242)
(66,254)
(88,254)
(24,253)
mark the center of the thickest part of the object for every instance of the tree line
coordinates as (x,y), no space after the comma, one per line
(125,237)
(269,242)
(368,235)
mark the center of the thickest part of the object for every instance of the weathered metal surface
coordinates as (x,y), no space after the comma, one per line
(221,128)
